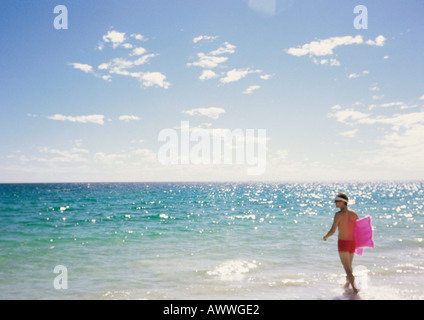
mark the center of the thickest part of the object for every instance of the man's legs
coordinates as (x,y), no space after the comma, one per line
(346,258)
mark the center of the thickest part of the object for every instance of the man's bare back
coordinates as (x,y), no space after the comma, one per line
(345,220)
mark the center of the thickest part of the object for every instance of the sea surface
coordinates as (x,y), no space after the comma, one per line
(205,241)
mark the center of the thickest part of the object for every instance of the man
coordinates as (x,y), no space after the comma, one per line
(344,221)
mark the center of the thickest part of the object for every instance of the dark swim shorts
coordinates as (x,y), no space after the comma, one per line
(346,245)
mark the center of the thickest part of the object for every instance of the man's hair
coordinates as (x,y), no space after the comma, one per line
(344,196)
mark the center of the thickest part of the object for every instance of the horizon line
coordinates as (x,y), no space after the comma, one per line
(226,181)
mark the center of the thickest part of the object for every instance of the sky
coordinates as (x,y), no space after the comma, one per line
(89,102)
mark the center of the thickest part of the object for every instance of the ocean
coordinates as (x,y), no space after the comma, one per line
(205,241)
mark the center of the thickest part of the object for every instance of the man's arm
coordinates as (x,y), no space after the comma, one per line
(333,227)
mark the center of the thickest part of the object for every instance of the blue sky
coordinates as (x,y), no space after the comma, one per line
(88,103)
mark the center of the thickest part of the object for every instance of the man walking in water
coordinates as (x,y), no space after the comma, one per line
(344,220)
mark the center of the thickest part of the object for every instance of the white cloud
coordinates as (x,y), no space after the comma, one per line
(411,137)
(117,65)
(123,65)
(393,104)
(225,48)
(357,75)
(265,76)
(349,134)
(326,47)
(127,118)
(216,57)
(421,98)
(79,150)
(120,65)
(59,157)
(149,79)
(213,112)
(94,118)
(117,38)
(73,155)
(250,89)
(104,66)
(330,62)
(379,41)
(138,37)
(397,121)
(401,143)
(205,37)
(213,58)
(81,66)
(402,147)
(346,114)
(237,74)
(207,74)
(144,59)
(208,62)
(138,51)
(378,97)
(107,78)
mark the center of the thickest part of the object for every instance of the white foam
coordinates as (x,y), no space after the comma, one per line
(387,293)
(361,277)
(368,290)
(294,282)
(233,270)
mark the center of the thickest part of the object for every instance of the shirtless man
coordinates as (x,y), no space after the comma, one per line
(344,220)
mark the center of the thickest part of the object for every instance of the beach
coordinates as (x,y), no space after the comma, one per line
(188,240)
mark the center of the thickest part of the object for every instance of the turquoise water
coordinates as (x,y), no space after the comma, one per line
(205,240)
